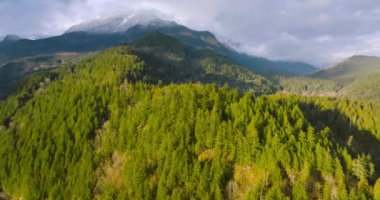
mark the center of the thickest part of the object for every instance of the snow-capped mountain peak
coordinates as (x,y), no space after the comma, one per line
(121,23)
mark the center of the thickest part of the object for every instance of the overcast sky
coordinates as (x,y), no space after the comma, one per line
(316,31)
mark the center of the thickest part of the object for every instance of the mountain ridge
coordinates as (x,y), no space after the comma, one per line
(106,32)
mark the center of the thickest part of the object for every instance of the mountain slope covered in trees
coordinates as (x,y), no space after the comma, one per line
(366,87)
(108,128)
(350,69)
(355,78)
(168,60)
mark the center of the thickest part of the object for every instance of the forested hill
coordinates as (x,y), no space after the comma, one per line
(108,128)
(168,60)
(354,78)
(366,87)
(350,69)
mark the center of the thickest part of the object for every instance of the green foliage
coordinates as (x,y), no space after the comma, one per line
(376,190)
(35,83)
(101,130)
(56,160)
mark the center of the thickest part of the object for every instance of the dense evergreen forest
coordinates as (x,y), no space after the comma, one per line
(110,128)
(366,87)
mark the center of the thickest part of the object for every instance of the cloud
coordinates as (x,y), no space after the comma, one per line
(315,31)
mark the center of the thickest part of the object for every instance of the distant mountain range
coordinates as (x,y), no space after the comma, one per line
(109,31)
